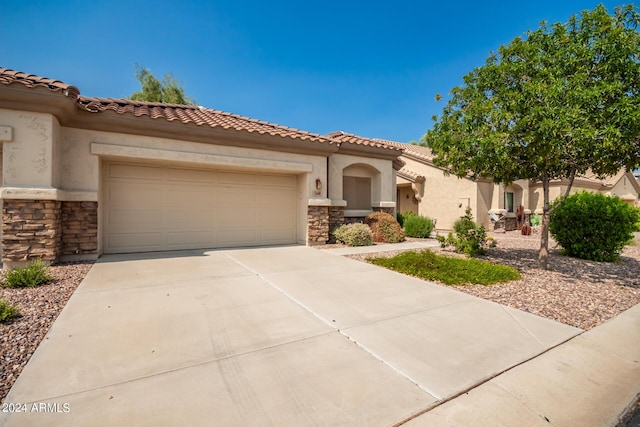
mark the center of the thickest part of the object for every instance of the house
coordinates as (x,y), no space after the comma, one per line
(427,190)
(86,176)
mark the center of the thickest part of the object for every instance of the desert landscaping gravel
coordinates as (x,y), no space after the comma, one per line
(38,307)
(575,292)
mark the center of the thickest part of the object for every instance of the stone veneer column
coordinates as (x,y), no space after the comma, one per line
(79,228)
(336,219)
(31,229)
(317,225)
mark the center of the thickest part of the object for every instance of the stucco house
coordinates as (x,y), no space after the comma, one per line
(84,176)
(425,189)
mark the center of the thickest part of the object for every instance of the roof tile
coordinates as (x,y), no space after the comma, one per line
(350,138)
(8,76)
(199,116)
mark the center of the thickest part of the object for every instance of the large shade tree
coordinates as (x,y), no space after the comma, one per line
(549,106)
(169,90)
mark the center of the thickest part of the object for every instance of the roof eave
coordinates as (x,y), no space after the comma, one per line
(108,121)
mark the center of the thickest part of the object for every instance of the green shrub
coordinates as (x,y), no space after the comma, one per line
(418,226)
(535,220)
(34,274)
(403,217)
(7,311)
(593,226)
(469,239)
(385,228)
(354,234)
(450,271)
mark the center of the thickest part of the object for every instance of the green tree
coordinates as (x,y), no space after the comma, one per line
(549,106)
(169,90)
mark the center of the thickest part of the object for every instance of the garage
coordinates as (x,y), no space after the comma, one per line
(151,207)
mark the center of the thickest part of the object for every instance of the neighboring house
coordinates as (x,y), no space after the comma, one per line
(425,189)
(85,176)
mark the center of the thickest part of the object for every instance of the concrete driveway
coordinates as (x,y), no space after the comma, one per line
(265,336)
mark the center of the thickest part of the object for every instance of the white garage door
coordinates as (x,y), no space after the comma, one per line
(156,208)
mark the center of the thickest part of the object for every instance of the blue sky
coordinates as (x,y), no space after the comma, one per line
(370,67)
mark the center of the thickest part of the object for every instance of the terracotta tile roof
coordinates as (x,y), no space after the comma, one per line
(197,115)
(609,181)
(8,76)
(350,138)
(410,175)
(419,152)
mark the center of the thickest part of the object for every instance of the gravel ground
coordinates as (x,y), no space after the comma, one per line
(39,307)
(575,292)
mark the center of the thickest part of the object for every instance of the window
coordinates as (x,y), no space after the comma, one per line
(357,192)
(508,201)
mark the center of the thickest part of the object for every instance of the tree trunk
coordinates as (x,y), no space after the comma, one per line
(543,255)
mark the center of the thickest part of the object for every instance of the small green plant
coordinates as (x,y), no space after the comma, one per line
(469,239)
(594,226)
(385,228)
(418,226)
(7,311)
(357,234)
(33,274)
(448,270)
(535,220)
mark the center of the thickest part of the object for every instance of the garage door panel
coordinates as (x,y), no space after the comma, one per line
(236,178)
(189,239)
(194,176)
(237,198)
(189,219)
(138,172)
(134,194)
(149,208)
(237,217)
(278,180)
(277,235)
(275,218)
(134,217)
(180,196)
(237,237)
(281,200)
(134,241)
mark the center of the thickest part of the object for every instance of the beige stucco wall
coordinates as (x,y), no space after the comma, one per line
(445,197)
(625,189)
(28,160)
(380,171)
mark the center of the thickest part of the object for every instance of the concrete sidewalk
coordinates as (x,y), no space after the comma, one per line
(589,381)
(267,336)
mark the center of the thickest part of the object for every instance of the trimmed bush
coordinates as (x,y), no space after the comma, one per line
(34,274)
(469,239)
(7,311)
(418,226)
(593,226)
(385,228)
(358,234)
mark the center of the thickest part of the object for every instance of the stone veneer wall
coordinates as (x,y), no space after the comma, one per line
(317,225)
(79,228)
(31,229)
(336,219)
